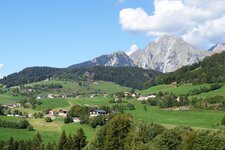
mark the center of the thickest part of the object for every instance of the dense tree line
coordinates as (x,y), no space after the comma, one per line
(22,124)
(122,132)
(126,76)
(210,70)
(214,86)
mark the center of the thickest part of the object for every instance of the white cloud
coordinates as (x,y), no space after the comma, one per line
(1,66)
(132,49)
(197,21)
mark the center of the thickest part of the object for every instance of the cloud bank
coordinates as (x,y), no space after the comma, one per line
(200,22)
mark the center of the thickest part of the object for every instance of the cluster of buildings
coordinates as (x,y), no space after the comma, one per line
(51,96)
(12,106)
(60,113)
(144,98)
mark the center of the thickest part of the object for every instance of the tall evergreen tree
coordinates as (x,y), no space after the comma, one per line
(62,141)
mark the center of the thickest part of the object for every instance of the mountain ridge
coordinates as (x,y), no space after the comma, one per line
(167,54)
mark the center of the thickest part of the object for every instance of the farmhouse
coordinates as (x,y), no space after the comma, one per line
(38,97)
(12,106)
(144,98)
(52,113)
(50,96)
(126,94)
(62,113)
(96,113)
(93,95)
(76,119)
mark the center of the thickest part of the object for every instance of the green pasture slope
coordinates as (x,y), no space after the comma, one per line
(197,119)
(220,91)
(99,101)
(183,89)
(9,99)
(109,87)
(52,103)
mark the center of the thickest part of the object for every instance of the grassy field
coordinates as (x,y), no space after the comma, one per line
(183,89)
(220,91)
(52,103)
(9,99)
(89,101)
(73,127)
(197,119)
(49,131)
(109,87)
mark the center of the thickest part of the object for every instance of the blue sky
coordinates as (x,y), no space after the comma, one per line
(60,33)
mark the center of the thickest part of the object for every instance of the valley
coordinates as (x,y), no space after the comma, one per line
(98,94)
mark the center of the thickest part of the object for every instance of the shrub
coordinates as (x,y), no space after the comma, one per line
(23,124)
(48,119)
(223,121)
(68,120)
(30,128)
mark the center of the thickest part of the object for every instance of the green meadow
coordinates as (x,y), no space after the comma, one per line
(182,89)
(195,118)
(48,131)
(9,99)
(52,103)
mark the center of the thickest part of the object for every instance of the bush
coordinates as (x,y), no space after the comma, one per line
(68,120)
(23,124)
(30,128)
(48,119)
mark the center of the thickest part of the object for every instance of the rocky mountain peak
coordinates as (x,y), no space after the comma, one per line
(218,48)
(167,54)
(116,59)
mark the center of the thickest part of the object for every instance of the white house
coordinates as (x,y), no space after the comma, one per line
(50,96)
(96,113)
(52,113)
(144,98)
(62,113)
(38,97)
(76,119)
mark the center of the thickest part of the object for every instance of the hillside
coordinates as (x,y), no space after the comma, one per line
(126,76)
(210,70)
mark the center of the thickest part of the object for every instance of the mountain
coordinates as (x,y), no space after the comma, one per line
(167,54)
(210,70)
(116,59)
(218,48)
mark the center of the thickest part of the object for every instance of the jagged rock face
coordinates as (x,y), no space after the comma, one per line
(167,54)
(218,48)
(116,59)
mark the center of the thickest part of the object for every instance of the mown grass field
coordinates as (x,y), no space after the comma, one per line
(109,87)
(52,103)
(9,99)
(194,118)
(99,101)
(183,89)
(105,87)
